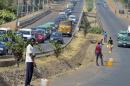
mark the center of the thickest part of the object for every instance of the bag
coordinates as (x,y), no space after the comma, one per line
(98,49)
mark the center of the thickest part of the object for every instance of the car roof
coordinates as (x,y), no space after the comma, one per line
(60,13)
(123,31)
(2,28)
(56,32)
(72,16)
(47,25)
(25,29)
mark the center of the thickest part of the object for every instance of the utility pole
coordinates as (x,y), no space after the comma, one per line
(47,4)
(33,5)
(17,20)
(43,5)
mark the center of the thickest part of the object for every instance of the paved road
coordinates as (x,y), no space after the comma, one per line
(50,18)
(118,75)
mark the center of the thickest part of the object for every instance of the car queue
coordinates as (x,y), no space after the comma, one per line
(52,31)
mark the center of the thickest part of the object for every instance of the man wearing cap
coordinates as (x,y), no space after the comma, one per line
(30,62)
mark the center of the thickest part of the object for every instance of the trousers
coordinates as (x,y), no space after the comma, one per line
(99,55)
(29,73)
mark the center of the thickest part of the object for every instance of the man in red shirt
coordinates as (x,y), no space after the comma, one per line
(98,53)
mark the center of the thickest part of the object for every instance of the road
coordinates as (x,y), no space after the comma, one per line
(118,75)
(50,18)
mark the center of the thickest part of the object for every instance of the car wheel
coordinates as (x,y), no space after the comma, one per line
(70,35)
(43,41)
(119,45)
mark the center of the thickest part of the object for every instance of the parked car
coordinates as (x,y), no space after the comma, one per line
(57,37)
(121,11)
(3,48)
(26,33)
(73,18)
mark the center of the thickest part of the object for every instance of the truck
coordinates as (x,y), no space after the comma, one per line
(66,27)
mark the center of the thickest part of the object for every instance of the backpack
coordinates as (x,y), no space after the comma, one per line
(98,49)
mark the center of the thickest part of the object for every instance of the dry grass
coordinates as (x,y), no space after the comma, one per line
(113,8)
(68,52)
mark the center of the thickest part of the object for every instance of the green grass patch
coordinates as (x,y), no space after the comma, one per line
(89,4)
(96,30)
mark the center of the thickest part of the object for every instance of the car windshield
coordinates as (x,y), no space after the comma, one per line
(25,32)
(56,34)
(125,38)
(66,23)
(40,31)
(73,17)
(2,32)
(122,33)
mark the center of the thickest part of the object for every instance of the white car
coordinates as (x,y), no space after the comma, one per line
(4,30)
(26,33)
(73,18)
(63,14)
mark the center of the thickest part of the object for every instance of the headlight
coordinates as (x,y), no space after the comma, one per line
(1,49)
(68,32)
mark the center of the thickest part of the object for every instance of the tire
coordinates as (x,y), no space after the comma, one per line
(70,35)
(119,45)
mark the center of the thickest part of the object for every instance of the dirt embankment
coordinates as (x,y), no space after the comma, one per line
(71,58)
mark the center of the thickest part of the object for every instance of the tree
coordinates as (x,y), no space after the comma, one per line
(6,16)
(16,44)
(57,48)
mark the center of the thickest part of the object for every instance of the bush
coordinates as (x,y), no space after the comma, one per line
(96,30)
(6,16)
(90,9)
(89,5)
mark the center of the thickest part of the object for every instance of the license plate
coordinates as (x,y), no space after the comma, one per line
(124,44)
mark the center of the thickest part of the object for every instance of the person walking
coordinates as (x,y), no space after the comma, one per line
(98,53)
(30,62)
(110,44)
(105,37)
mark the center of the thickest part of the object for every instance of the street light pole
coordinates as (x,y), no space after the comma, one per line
(17,20)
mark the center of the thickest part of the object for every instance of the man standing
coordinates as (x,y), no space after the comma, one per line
(30,63)
(110,45)
(105,37)
(98,52)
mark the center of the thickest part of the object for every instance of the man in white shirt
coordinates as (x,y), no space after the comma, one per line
(30,63)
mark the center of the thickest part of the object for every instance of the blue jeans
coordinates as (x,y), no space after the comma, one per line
(29,73)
